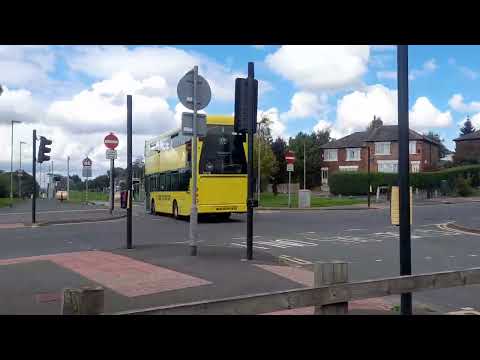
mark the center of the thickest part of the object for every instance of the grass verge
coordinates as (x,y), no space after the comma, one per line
(281,200)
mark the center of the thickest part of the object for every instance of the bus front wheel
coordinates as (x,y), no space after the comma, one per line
(152,208)
(175,210)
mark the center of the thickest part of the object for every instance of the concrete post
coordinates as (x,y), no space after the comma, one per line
(84,301)
(329,274)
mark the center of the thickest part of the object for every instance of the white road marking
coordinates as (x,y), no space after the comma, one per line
(295,260)
(428,258)
(379,260)
(255,246)
(472,255)
(354,229)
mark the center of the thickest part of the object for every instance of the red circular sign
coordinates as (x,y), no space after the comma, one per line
(290,157)
(111,141)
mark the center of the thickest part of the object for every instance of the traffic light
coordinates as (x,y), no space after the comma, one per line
(241,117)
(43,149)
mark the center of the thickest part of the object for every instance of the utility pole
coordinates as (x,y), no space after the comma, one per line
(403,178)
(129,171)
(194,210)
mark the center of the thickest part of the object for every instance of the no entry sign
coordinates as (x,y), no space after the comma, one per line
(111,141)
(290,157)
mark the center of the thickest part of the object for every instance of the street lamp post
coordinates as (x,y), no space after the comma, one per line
(11,165)
(20,173)
(261,128)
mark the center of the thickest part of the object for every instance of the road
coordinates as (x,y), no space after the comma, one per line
(364,238)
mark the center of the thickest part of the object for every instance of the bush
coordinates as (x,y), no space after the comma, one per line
(352,183)
(463,187)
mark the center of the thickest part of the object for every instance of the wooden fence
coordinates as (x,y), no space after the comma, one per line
(330,295)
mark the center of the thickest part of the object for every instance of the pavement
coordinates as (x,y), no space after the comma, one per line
(37,263)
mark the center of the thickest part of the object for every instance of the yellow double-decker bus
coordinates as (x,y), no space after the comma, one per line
(222,171)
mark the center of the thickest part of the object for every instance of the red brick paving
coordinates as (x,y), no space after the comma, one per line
(119,273)
(305,277)
(11,226)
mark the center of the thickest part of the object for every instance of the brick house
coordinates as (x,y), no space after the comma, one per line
(467,147)
(350,153)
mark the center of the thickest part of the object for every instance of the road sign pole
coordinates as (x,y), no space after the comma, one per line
(194,211)
(34,174)
(403,168)
(251,122)
(86,191)
(289,180)
(112,186)
(129,171)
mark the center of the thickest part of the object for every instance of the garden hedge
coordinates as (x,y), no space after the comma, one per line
(356,183)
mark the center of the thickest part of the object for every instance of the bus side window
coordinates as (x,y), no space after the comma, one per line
(167,182)
(161,183)
(175,181)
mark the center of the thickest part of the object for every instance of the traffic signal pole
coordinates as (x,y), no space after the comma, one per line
(403,178)
(34,174)
(251,122)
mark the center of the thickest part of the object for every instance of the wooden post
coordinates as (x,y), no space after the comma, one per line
(328,274)
(83,301)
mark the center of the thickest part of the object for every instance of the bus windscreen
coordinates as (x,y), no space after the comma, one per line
(222,151)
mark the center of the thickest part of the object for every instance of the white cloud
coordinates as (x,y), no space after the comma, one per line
(25,66)
(425,116)
(428,67)
(167,63)
(277,126)
(356,110)
(320,67)
(19,105)
(391,75)
(457,104)
(305,104)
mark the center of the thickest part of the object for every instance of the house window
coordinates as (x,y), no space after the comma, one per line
(413,147)
(348,168)
(388,166)
(353,154)
(382,148)
(415,166)
(330,154)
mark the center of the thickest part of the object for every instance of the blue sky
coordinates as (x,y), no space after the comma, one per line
(76,94)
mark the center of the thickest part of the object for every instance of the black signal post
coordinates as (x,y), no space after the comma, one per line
(403,178)
(129,171)
(34,174)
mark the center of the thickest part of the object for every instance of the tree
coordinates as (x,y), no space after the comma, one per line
(279,148)
(467,127)
(376,122)
(313,143)
(268,161)
(436,137)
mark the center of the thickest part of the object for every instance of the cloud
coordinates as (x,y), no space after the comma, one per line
(457,104)
(390,75)
(356,110)
(19,105)
(464,70)
(25,66)
(320,67)
(305,104)
(428,67)
(167,63)
(277,126)
(425,116)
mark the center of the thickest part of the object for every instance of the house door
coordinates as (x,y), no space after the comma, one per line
(324,176)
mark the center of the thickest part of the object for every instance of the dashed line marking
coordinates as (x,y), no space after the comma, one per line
(379,260)
(472,255)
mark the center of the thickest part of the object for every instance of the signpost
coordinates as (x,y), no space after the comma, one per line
(111,142)
(290,157)
(86,173)
(194,93)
